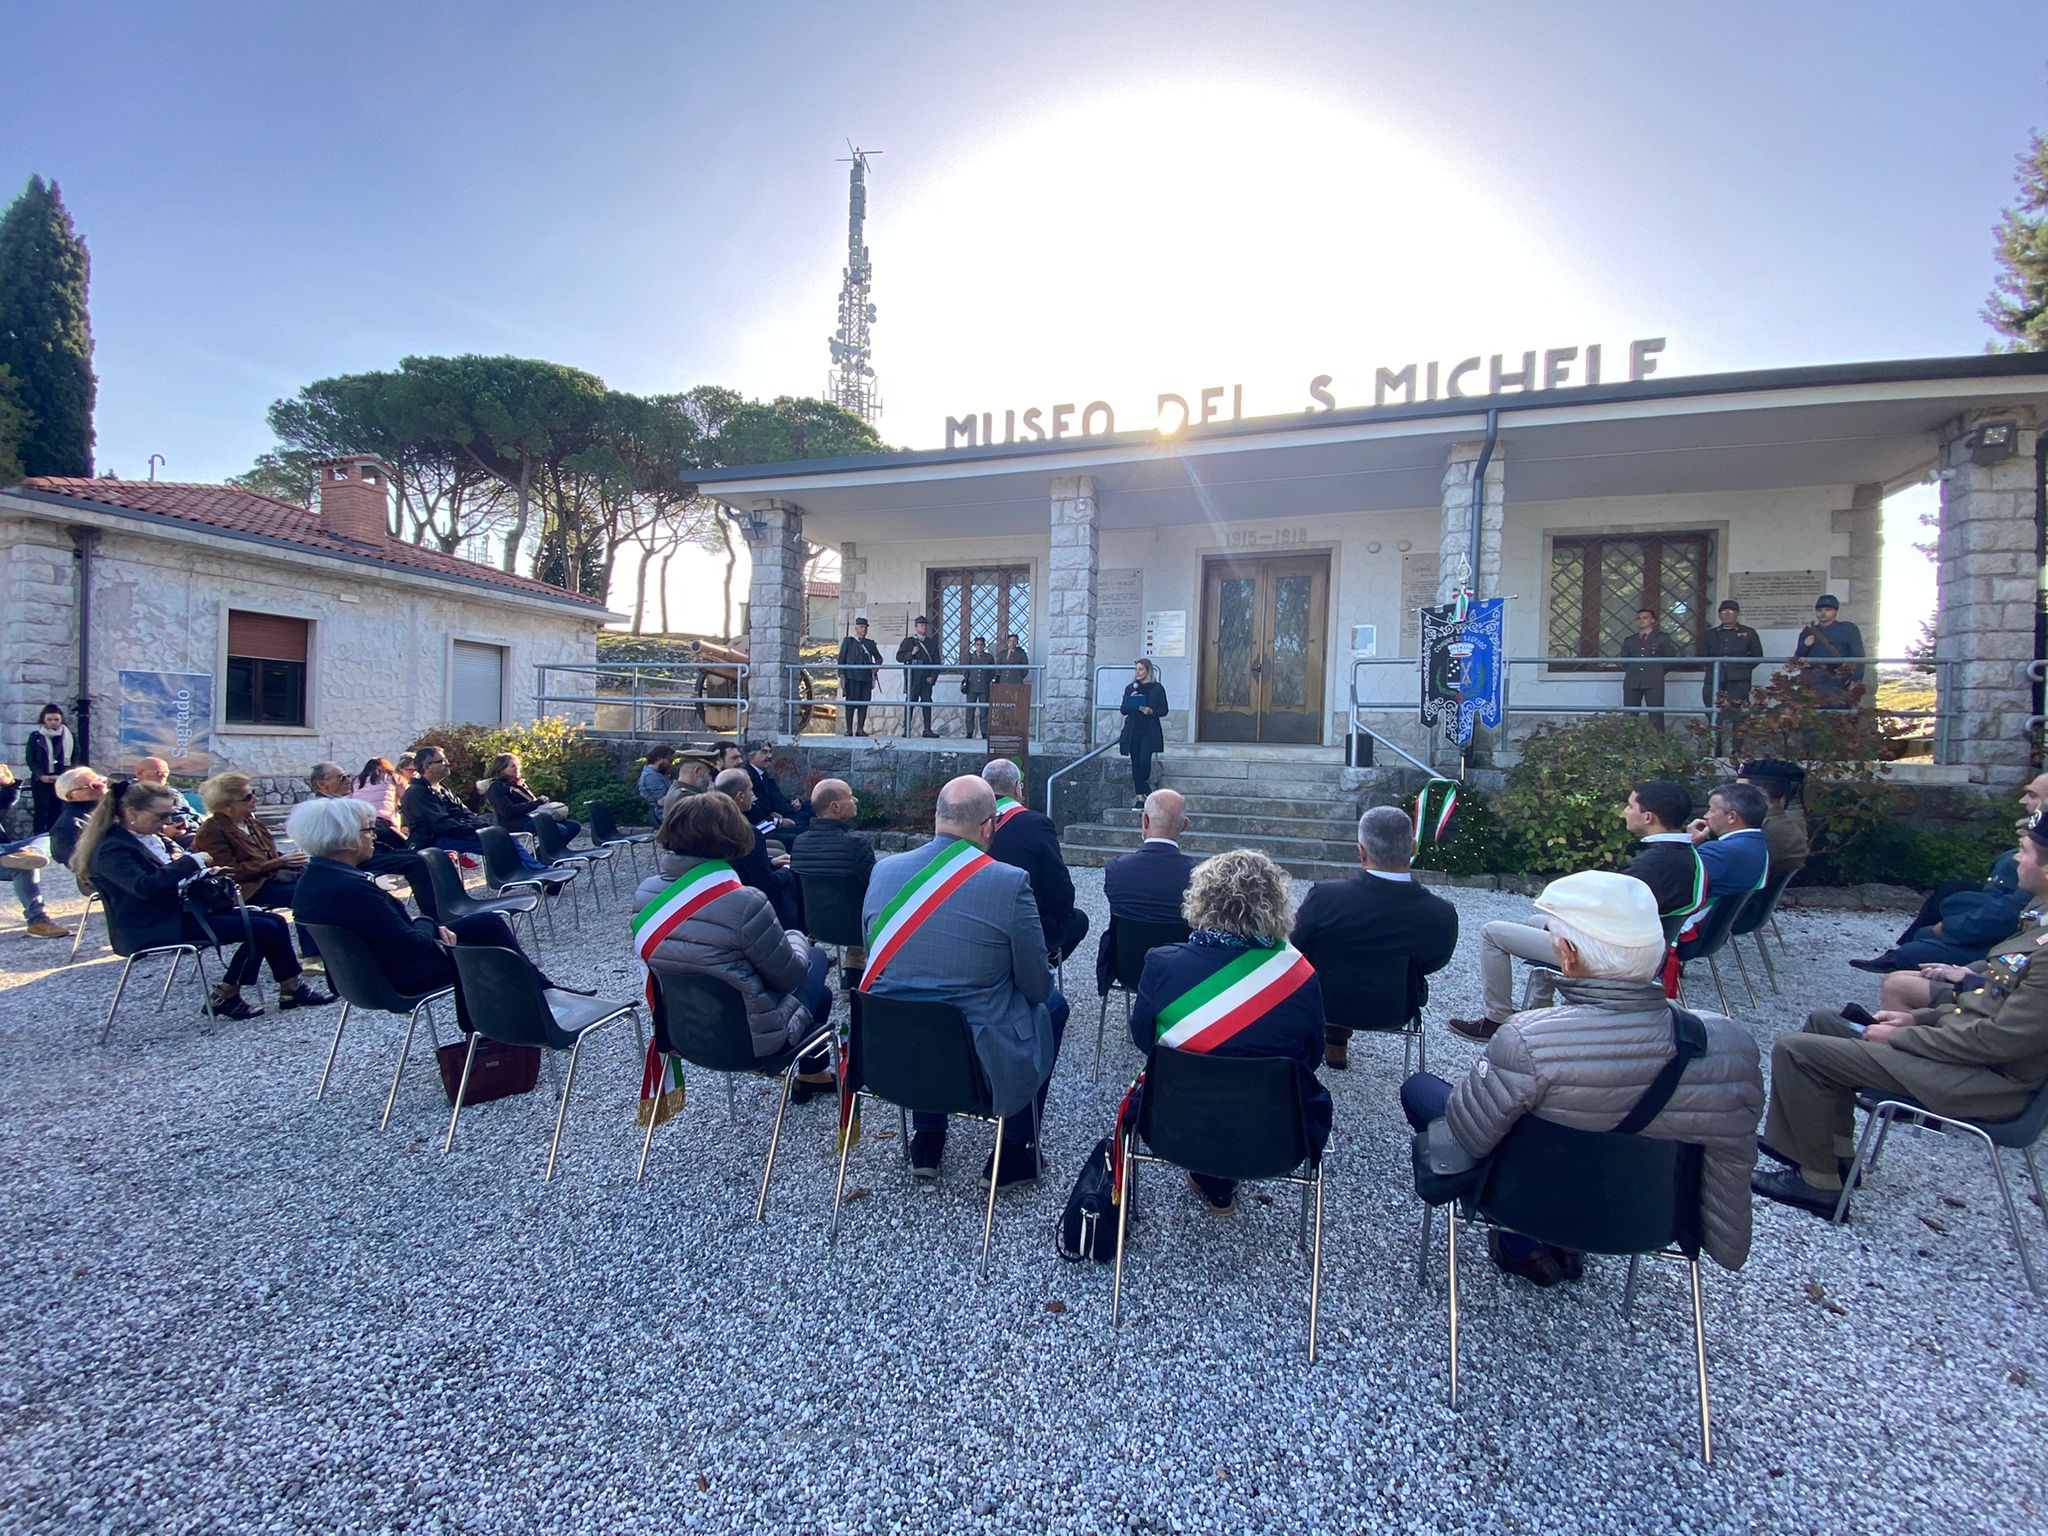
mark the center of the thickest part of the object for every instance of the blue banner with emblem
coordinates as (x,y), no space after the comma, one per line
(167,715)
(1480,652)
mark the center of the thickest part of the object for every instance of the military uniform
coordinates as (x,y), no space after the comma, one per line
(1981,1055)
(1819,645)
(1737,645)
(1642,683)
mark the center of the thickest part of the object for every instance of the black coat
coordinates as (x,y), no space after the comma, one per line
(1293,1029)
(332,893)
(830,850)
(857,651)
(1366,915)
(72,816)
(140,892)
(1142,730)
(1142,887)
(768,795)
(432,812)
(1670,871)
(513,804)
(1028,842)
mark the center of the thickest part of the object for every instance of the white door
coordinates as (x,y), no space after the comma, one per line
(478,694)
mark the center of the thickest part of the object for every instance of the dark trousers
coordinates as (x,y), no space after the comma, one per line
(1020,1129)
(1141,768)
(412,869)
(272,944)
(1727,714)
(921,682)
(856,713)
(1652,697)
(276,895)
(44,798)
(1423,1098)
(1072,931)
(977,718)
(1930,909)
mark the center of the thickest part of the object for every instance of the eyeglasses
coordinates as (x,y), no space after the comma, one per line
(250,796)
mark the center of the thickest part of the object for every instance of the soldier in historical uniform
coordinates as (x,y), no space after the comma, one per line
(920,653)
(857,651)
(974,683)
(1827,637)
(1731,638)
(1978,1053)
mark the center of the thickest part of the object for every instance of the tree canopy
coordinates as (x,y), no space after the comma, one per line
(45,335)
(2018,306)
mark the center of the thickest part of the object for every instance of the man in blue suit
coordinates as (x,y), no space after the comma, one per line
(981,949)
(1027,839)
(1147,886)
(1730,839)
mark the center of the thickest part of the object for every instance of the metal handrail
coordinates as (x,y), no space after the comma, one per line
(1093,752)
(636,698)
(1032,672)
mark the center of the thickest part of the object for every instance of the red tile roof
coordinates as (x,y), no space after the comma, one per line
(236,510)
(821,589)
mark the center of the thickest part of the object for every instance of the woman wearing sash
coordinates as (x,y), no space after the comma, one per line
(697,919)
(1236,988)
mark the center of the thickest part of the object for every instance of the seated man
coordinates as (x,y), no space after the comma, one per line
(1784,816)
(769,800)
(24,860)
(1382,911)
(1025,838)
(393,854)
(1731,845)
(765,872)
(1667,863)
(155,770)
(829,849)
(1958,922)
(1978,1055)
(1146,886)
(653,783)
(977,946)
(1588,1062)
(693,777)
(79,792)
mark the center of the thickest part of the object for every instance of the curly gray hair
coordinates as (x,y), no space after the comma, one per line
(1241,892)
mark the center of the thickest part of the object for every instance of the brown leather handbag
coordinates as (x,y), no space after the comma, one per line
(499,1071)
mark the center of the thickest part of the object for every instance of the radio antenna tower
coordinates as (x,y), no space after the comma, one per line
(851,383)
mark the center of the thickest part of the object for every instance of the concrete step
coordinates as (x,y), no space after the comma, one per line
(1093,845)
(1277,775)
(1251,823)
(1243,800)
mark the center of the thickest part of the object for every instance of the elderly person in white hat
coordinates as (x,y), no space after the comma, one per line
(1587,1062)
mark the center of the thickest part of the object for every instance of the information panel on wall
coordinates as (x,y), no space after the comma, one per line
(1779,599)
(1119,629)
(1419,574)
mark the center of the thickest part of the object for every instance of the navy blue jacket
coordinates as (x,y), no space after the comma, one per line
(1294,1029)
(1735,864)
(140,892)
(1143,887)
(332,893)
(1028,842)
(768,795)
(1365,915)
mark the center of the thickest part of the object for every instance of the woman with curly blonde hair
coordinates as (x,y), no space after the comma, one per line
(1236,987)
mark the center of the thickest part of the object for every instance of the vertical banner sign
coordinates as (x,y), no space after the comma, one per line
(1480,684)
(1441,691)
(167,715)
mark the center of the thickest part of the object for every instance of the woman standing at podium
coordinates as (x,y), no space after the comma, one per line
(1143,706)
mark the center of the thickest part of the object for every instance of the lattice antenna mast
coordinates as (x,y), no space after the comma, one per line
(851,383)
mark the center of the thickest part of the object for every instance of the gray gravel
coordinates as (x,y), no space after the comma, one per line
(226,1307)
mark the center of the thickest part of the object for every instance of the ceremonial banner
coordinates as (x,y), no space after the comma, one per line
(167,715)
(1441,691)
(1482,656)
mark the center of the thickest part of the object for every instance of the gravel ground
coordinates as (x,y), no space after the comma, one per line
(229,1308)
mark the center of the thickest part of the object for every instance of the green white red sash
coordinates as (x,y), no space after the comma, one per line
(1006,808)
(1233,999)
(667,912)
(950,868)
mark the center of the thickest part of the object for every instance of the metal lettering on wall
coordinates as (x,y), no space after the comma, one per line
(1265,538)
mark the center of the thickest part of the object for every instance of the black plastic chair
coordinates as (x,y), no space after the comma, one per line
(1132,941)
(1371,993)
(602,828)
(920,1057)
(1710,939)
(503,996)
(228,925)
(1762,908)
(832,913)
(453,902)
(1597,1192)
(92,899)
(1230,1117)
(703,1021)
(556,852)
(2022,1131)
(505,871)
(360,982)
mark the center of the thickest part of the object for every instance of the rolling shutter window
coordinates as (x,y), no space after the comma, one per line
(479,684)
(267,636)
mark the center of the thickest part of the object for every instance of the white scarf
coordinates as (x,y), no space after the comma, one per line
(57,744)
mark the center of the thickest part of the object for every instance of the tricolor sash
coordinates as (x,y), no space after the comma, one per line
(950,868)
(1006,808)
(1233,999)
(685,899)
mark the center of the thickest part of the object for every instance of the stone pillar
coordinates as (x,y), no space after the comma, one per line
(1455,534)
(775,611)
(1068,649)
(1856,577)
(38,635)
(1990,571)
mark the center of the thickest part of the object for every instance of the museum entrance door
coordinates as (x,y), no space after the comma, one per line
(1264,648)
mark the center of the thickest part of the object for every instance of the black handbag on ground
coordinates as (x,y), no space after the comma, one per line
(1088,1225)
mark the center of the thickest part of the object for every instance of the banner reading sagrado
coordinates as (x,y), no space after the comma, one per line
(167,715)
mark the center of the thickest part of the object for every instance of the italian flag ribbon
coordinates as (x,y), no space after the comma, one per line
(1006,808)
(950,868)
(651,924)
(1233,999)
(1448,788)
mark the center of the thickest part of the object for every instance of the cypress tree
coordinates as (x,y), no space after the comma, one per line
(45,336)
(2018,308)
(13,425)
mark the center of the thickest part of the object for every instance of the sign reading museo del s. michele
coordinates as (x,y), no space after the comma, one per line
(1558,368)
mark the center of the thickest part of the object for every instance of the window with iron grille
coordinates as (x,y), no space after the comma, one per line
(1598,583)
(991,601)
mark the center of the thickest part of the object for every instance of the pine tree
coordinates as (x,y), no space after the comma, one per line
(45,336)
(2018,307)
(13,427)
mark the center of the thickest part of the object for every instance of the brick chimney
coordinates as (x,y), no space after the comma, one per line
(352,498)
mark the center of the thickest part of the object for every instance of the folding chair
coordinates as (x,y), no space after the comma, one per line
(1762,908)
(555,850)
(1710,939)
(832,914)
(92,899)
(505,871)
(1133,941)
(360,982)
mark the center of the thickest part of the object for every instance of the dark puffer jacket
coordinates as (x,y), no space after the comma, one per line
(737,940)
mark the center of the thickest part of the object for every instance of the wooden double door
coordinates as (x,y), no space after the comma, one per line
(1265,625)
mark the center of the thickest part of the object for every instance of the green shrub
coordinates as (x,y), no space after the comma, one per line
(1561,807)
(555,760)
(1475,843)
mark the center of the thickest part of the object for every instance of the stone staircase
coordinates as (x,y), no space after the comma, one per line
(1288,802)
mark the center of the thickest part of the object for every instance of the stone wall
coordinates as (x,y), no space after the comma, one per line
(1069,653)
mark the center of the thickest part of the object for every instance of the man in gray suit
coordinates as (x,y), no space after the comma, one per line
(983,951)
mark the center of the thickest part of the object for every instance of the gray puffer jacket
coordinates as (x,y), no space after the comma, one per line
(737,940)
(1586,1062)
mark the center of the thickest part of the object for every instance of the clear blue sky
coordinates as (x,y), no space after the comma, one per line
(275,193)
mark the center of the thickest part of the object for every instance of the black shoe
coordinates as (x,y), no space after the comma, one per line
(926,1148)
(1774,1154)
(1481,1028)
(1787,1187)
(801,1092)
(931,735)
(1538,1268)
(1877,965)
(1018,1168)
(233,1007)
(1571,1263)
(303,997)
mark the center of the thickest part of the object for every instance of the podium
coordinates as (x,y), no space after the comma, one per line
(1009,721)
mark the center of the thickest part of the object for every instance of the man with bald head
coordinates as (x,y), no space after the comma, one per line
(1027,839)
(829,849)
(1146,886)
(394,855)
(968,934)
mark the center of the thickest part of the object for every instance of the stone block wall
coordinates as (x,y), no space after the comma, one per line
(1069,654)
(1456,525)
(775,615)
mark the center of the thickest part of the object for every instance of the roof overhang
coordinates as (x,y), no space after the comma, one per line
(1853,424)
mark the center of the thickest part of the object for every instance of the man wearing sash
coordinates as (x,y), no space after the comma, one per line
(1236,988)
(948,924)
(1027,839)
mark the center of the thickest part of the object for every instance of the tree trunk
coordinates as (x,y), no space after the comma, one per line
(664,591)
(640,593)
(731,560)
(523,511)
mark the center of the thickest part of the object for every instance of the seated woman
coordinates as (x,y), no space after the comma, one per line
(514,804)
(403,772)
(736,938)
(239,844)
(138,877)
(1238,905)
(339,837)
(434,818)
(377,787)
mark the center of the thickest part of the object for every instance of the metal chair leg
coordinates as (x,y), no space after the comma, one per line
(1775,934)
(177,963)
(653,1108)
(84,917)
(1699,1347)
(1714,968)
(2012,1215)
(1628,1291)
(332,1046)
(1123,1213)
(120,986)
(1101,1026)
(1301,1227)
(404,1050)
(1453,1214)
(561,1114)
(988,1222)
(902,1129)
(1763,953)
(1879,1122)
(1315,1270)
(845,1146)
(774,1136)
(468,1061)
(2034,1172)
(1742,968)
